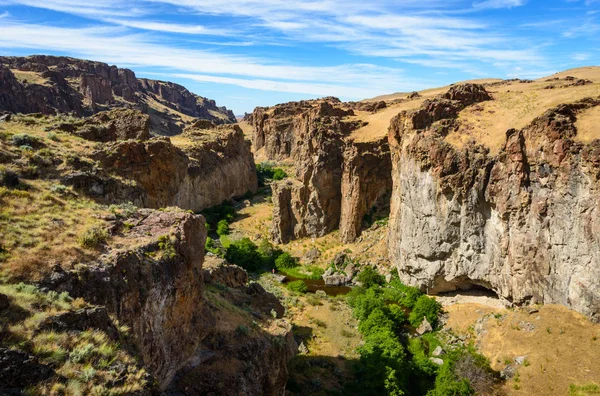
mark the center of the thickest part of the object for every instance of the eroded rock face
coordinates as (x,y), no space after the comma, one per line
(337,181)
(523,223)
(113,125)
(366,183)
(66,85)
(151,279)
(217,165)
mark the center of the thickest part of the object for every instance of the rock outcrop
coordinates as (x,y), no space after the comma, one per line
(151,279)
(523,223)
(111,126)
(53,84)
(337,181)
(213,166)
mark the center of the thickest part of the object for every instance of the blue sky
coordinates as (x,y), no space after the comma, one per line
(247,53)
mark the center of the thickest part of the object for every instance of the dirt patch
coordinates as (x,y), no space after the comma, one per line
(558,347)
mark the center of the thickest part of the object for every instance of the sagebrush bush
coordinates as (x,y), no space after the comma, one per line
(92,237)
(23,139)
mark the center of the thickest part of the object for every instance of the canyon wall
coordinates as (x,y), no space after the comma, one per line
(523,223)
(55,84)
(337,180)
(212,165)
(152,280)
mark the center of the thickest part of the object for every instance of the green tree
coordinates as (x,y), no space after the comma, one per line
(369,277)
(425,307)
(285,261)
(245,254)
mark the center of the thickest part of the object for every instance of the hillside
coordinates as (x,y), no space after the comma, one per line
(50,84)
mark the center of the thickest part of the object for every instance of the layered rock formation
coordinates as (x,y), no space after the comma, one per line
(337,180)
(211,166)
(50,84)
(151,279)
(523,223)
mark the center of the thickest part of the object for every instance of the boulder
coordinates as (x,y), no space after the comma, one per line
(438,351)
(19,370)
(424,327)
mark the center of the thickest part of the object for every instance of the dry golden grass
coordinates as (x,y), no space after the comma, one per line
(246,128)
(588,125)
(514,106)
(41,220)
(563,348)
(379,122)
(85,362)
(256,222)
(332,324)
(30,77)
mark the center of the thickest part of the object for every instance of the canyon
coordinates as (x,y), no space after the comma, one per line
(109,186)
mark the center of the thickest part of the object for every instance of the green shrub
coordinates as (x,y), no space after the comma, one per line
(279,174)
(364,302)
(242,329)
(285,261)
(298,286)
(8,178)
(23,139)
(166,246)
(266,171)
(211,247)
(213,215)
(370,277)
(425,307)
(269,253)
(92,237)
(245,254)
(222,227)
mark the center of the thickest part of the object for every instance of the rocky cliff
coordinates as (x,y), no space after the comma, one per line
(151,279)
(50,84)
(207,167)
(337,180)
(522,222)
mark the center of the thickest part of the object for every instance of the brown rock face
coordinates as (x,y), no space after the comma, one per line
(159,297)
(186,341)
(522,223)
(366,183)
(217,165)
(337,181)
(86,87)
(95,90)
(114,125)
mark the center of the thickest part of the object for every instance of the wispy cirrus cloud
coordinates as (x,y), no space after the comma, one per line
(314,47)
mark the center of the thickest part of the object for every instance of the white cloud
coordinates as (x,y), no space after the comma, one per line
(110,45)
(498,4)
(169,27)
